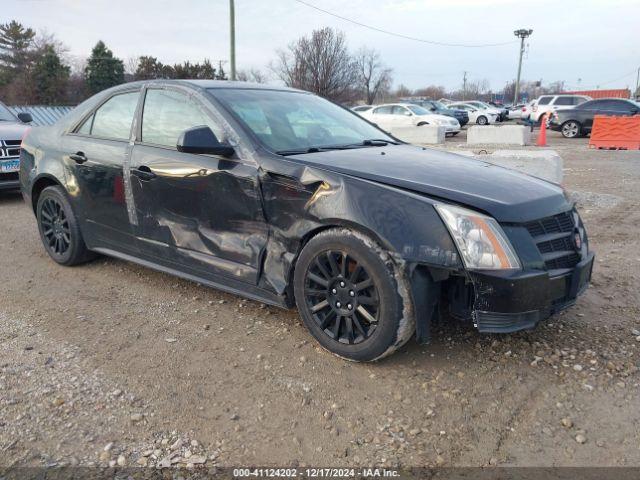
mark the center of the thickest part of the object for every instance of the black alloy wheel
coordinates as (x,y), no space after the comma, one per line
(55,227)
(59,229)
(352,296)
(342,297)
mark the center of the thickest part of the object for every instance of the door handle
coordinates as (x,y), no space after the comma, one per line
(78,157)
(144,173)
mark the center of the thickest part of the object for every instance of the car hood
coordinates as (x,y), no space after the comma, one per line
(507,195)
(12,130)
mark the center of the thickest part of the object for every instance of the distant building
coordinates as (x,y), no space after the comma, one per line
(42,114)
(618,93)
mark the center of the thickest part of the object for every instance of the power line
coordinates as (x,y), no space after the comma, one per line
(619,78)
(400,35)
(598,85)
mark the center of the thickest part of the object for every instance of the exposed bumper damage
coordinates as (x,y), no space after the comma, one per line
(504,302)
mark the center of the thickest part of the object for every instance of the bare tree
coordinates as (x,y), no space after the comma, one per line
(252,75)
(403,91)
(373,75)
(433,92)
(320,64)
(131,65)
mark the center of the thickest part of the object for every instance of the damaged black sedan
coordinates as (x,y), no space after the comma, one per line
(283,197)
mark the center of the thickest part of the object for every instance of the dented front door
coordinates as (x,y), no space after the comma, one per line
(198,213)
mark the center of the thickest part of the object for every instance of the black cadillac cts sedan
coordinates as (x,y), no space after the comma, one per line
(283,197)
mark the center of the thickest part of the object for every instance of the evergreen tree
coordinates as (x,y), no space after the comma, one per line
(50,77)
(149,68)
(103,70)
(15,47)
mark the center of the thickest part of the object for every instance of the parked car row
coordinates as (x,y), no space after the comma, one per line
(393,115)
(424,112)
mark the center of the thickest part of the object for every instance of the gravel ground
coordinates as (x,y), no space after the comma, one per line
(114,364)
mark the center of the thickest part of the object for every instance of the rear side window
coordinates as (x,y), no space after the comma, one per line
(564,101)
(168,113)
(545,100)
(385,110)
(615,105)
(113,119)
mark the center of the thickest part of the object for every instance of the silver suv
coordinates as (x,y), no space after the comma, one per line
(550,103)
(12,129)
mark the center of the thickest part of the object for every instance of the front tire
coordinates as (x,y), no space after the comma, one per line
(571,129)
(59,229)
(352,297)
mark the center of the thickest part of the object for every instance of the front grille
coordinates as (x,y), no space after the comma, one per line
(9,148)
(554,238)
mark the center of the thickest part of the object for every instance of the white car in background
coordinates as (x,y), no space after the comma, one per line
(393,115)
(477,115)
(550,103)
(502,113)
(362,108)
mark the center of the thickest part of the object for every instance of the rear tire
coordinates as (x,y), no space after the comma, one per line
(59,229)
(482,120)
(352,297)
(571,129)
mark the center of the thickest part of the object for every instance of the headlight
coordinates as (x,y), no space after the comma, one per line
(480,240)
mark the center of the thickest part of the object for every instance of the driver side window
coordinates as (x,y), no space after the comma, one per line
(168,113)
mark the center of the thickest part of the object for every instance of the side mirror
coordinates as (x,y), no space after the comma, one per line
(25,117)
(201,140)
(433,109)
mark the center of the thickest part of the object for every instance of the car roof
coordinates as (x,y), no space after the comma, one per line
(210,84)
(613,98)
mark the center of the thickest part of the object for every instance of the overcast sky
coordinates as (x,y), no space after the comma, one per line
(596,41)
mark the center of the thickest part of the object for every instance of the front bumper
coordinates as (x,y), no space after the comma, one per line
(553,125)
(9,181)
(509,302)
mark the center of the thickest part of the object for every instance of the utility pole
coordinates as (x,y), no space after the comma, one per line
(232,31)
(637,92)
(522,34)
(464,86)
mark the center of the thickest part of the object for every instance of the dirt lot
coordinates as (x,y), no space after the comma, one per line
(111,362)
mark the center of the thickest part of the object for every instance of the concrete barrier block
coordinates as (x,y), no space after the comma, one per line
(546,164)
(427,134)
(499,135)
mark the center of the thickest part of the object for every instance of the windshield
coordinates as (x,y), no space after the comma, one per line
(418,110)
(287,121)
(439,105)
(5,114)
